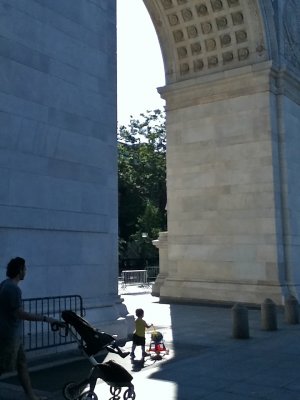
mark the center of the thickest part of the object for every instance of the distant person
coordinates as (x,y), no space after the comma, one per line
(12,355)
(139,338)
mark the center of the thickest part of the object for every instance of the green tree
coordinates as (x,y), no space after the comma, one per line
(142,184)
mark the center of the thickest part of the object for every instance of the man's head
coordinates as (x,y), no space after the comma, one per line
(16,268)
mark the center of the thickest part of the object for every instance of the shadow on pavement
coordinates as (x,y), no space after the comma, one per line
(205,362)
(54,378)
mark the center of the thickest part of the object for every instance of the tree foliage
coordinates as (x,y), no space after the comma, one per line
(142,183)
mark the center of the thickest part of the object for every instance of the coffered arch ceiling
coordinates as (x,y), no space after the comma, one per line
(200,37)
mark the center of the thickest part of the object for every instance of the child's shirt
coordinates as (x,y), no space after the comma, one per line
(140,327)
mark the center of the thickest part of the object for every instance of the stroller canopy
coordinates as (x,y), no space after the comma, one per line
(93,339)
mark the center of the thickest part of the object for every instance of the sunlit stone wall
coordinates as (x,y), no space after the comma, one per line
(232,102)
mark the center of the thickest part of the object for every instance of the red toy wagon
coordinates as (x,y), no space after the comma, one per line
(157,348)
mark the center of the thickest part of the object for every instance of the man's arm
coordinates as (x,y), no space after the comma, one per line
(21,314)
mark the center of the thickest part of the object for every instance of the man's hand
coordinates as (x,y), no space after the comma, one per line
(54,322)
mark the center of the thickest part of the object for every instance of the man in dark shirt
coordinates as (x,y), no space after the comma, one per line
(12,356)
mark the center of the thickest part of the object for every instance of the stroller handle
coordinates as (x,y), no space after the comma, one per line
(57,326)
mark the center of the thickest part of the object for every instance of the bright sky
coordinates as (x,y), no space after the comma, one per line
(140,65)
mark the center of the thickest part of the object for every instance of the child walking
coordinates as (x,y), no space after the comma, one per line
(138,338)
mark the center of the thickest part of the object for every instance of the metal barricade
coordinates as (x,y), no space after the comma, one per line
(134,277)
(152,272)
(37,335)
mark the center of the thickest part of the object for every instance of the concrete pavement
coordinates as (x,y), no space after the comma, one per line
(204,362)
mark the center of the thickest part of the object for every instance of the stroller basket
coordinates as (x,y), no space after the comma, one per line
(114,374)
(94,340)
(111,373)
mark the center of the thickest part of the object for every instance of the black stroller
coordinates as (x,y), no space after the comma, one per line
(91,342)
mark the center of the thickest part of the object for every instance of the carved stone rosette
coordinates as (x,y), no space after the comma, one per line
(211,35)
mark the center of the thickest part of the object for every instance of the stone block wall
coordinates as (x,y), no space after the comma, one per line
(58,157)
(222,233)
(287,186)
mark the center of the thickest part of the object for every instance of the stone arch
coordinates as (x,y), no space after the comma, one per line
(232,100)
(208,36)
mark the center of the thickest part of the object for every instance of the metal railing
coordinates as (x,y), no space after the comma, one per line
(152,273)
(134,277)
(140,277)
(38,335)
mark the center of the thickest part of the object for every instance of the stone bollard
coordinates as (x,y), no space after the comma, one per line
(240,324)
(291,310)
(268,315)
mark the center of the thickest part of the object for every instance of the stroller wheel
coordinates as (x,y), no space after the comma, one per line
(71,391)
(129,394)
(89,396)
(115,391)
